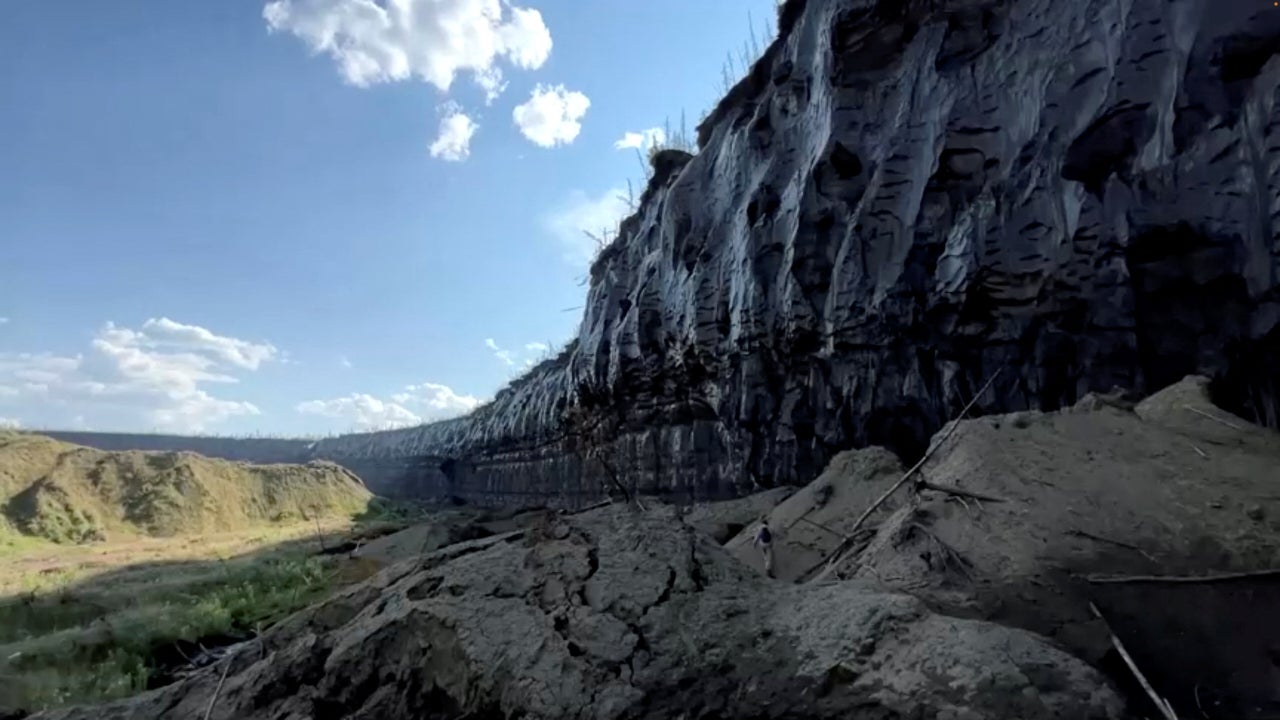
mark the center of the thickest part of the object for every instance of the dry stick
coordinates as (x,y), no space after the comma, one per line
(320,535)
(802,517)
(848,540)
(1119,543)
(1196,691)
(800,578)
(820,526)
(613,477)
(589,508)
(1228,423)
(1106,579)
(957,491)
(1161,704)
(213,700)
(960,500)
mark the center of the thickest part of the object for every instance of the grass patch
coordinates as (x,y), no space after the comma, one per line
(84,633)
(118,566)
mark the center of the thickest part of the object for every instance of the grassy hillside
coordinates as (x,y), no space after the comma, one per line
(68,494)
(118,567)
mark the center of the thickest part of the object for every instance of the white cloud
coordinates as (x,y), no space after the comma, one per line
(641,140)
(552,115)
(533,352)
(440,400)
(151,378)
(9,424)
(4,321)
(345,362)
(433,40)
(415,405)
(167,333)
(453,143)
(503,355)
(581,215)
(364,412)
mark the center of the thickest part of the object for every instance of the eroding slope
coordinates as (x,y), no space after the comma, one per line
(1173,486)
(624,613)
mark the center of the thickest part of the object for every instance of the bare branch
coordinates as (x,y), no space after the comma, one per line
(848,541)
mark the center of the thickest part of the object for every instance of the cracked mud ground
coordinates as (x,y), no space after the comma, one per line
(623,613)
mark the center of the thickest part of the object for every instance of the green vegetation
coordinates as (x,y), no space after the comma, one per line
(117,566)
(100,640)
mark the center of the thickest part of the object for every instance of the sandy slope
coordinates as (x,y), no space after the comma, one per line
(69,493)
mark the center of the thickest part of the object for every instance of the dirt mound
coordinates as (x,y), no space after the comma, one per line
(622,613)
(810,523)
(725,519)
(68,493)
(443,529)
(1171,486)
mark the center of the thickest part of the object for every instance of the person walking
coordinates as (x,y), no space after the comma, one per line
(764,541)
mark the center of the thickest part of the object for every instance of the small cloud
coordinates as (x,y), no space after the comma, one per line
(453,144)
(532,353)
(345,362)
(414,405)
(552,115)
(9,423)
(582,218)
(498,352)
(439,400)
(365,412)
(4,321)
(641,140)
(165,333)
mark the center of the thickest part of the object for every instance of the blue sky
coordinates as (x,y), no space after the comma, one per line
(245,216)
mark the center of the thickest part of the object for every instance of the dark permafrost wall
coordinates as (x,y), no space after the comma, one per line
(903,198)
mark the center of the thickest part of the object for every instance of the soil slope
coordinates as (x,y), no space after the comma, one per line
(623,613)
(1170,486)
(68,493)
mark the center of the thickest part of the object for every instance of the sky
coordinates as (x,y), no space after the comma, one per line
(305,217)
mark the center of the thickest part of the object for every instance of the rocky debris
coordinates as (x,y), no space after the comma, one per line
(622,613)
(1171,487)
(443,529)
(721,521)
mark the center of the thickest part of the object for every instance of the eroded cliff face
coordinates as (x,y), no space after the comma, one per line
(903,198)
